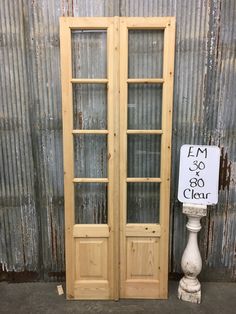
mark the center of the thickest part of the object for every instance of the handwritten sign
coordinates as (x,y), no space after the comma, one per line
(199,174)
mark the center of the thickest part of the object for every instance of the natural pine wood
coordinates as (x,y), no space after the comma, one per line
(109,261)
(143,179)
(110,114)
(167,104)
(89,230)
(145,80)
(143,230)
(90,131)
(141,278)
(116,175)
(90,180)
(146,22)
(89,248)
(87,22)
(123,150)
(88,81)
(144,132)
(66,73)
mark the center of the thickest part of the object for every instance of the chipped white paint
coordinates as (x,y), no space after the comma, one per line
(191,263)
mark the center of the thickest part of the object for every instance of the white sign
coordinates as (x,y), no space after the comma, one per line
(199,174)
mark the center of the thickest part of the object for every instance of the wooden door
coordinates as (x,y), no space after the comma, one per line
(89,96)
(146,89)
(116,202)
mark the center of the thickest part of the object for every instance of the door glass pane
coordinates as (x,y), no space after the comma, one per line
(89,53)
(143,202)
(90,156)
(145,53)
(144,106)
(91,203)
(90,106)
(144,155)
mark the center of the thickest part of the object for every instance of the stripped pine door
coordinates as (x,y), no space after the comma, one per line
(146,88)
(117,86)
(88,97)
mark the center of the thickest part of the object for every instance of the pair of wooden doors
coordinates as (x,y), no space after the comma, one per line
(117,87)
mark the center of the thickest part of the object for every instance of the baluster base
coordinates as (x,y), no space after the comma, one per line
(189,290)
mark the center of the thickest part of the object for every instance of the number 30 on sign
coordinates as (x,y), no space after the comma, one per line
(199,174)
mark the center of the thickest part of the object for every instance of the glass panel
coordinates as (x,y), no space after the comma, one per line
(144,106)
(143,202)
(90,106)
(91,203)
(90,159)
(89,53)
(146,53)
(144,155)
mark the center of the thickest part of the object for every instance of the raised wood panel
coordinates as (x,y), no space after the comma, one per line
(91,259)
(142,258)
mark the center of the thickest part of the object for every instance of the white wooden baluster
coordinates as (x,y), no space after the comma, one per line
(191,263)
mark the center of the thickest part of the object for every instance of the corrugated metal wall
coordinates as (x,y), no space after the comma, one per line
(31,173)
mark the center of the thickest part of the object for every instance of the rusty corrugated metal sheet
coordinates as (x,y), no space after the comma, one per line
(19,240)
(89,7)
(32,224)
(42,44)
(31,190)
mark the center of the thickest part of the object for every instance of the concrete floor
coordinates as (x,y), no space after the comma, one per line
(217,298)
